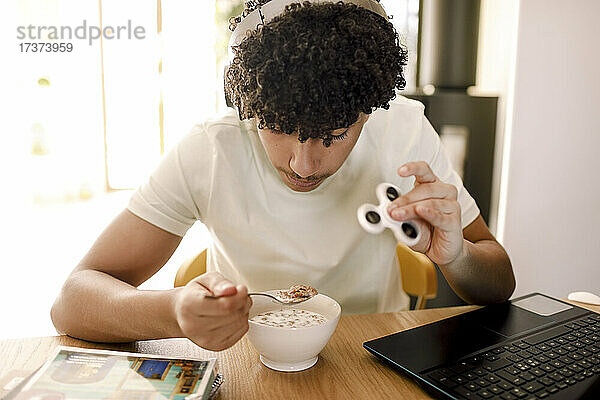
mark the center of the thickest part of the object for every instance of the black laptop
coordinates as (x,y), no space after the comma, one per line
(533,347)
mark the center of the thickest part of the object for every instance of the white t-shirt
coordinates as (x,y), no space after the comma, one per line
(267,236)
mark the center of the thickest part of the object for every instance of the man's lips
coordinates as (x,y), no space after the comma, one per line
(304,183)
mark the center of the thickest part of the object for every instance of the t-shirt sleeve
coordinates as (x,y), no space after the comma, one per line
(165,199)
(432,151)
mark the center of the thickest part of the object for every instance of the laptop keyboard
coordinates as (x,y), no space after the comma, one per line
(535,367)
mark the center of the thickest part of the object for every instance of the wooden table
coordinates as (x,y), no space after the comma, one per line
(345,369)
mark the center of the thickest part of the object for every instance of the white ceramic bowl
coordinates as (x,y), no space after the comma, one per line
(292,349)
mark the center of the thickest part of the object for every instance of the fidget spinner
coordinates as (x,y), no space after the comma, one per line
(374,219)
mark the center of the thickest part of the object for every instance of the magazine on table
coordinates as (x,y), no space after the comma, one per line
(78,373)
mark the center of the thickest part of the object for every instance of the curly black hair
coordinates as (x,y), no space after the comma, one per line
(314,68)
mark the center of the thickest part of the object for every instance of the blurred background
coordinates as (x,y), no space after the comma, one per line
(83,129)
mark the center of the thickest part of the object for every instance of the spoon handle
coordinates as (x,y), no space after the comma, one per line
(295,301)
(253,294)
(291,301)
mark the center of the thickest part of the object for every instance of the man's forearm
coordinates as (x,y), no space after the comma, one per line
(98,307)
(482,273)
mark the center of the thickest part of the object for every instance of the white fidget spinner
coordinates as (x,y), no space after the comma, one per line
(374,219)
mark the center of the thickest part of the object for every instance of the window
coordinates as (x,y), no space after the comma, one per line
(405,17)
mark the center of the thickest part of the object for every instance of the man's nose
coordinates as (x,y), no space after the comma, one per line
(305,160)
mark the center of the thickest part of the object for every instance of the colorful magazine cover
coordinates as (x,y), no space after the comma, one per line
(77,373)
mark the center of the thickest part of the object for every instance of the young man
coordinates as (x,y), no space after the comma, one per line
(318,126)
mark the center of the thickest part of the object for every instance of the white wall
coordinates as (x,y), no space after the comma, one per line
(551,214)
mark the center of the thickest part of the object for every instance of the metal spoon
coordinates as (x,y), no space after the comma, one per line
(296,300)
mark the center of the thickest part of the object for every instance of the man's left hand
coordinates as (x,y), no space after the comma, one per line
(433,205)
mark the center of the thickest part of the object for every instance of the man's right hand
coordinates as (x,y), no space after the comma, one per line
(213,323)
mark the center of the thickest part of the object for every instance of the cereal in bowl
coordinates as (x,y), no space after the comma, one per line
(289,318)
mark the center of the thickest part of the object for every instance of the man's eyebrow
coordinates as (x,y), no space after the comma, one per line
(342,131)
